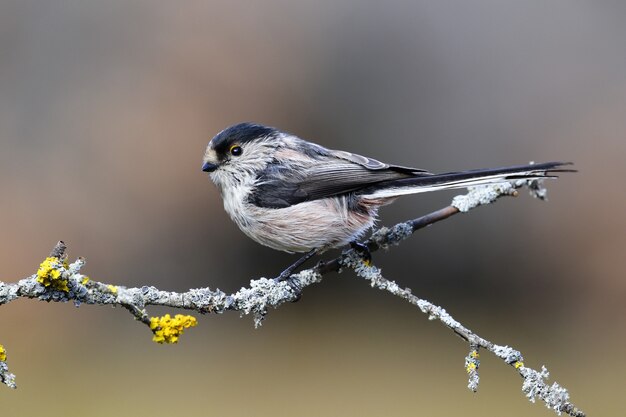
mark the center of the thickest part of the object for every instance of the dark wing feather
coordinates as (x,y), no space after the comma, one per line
(329,174)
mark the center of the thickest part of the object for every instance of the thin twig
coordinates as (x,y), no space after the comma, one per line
(534,384)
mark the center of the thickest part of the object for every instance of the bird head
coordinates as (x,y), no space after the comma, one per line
(239,151)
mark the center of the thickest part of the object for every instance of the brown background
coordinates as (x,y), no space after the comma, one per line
(105,110)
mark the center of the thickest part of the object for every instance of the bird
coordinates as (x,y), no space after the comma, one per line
(297,196)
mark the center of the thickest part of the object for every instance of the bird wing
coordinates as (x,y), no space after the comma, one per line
(328,173)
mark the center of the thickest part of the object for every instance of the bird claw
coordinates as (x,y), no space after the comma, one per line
(363,251)
(285,276)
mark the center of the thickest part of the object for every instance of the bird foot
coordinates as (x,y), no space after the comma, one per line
(285,276)
(363,251)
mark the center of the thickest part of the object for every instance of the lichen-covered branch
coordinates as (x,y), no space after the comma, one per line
(6,377)
(58,280)
(534,385)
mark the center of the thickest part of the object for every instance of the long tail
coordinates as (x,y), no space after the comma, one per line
(463,179)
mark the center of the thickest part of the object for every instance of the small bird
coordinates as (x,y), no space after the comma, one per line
(296,196)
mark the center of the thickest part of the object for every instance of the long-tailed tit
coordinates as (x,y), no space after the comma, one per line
(297,196)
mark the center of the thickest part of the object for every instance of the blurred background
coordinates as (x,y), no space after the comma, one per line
(105,111)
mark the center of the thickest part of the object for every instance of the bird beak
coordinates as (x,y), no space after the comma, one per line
(209,167)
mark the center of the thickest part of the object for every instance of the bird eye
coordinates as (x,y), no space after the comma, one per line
(236,150)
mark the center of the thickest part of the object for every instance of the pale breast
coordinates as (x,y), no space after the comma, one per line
(309,225)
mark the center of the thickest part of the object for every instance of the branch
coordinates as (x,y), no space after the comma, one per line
(534,385)
(56,280)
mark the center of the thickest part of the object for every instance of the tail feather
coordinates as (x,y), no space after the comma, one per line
(464,179)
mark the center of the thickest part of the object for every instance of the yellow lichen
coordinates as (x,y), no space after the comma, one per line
(50,274)
(85,280)
(475,354)
(112,288)
(3,354)
(470,367)
(518,364)
(168,329)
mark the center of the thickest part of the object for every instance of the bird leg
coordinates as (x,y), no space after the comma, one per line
(286,274)
(361,249)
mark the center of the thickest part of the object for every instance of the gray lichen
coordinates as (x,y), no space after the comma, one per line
(8,292)
(384,237)
(554,396)
(472,363)
(482,195)
(507,354)
(6,377)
